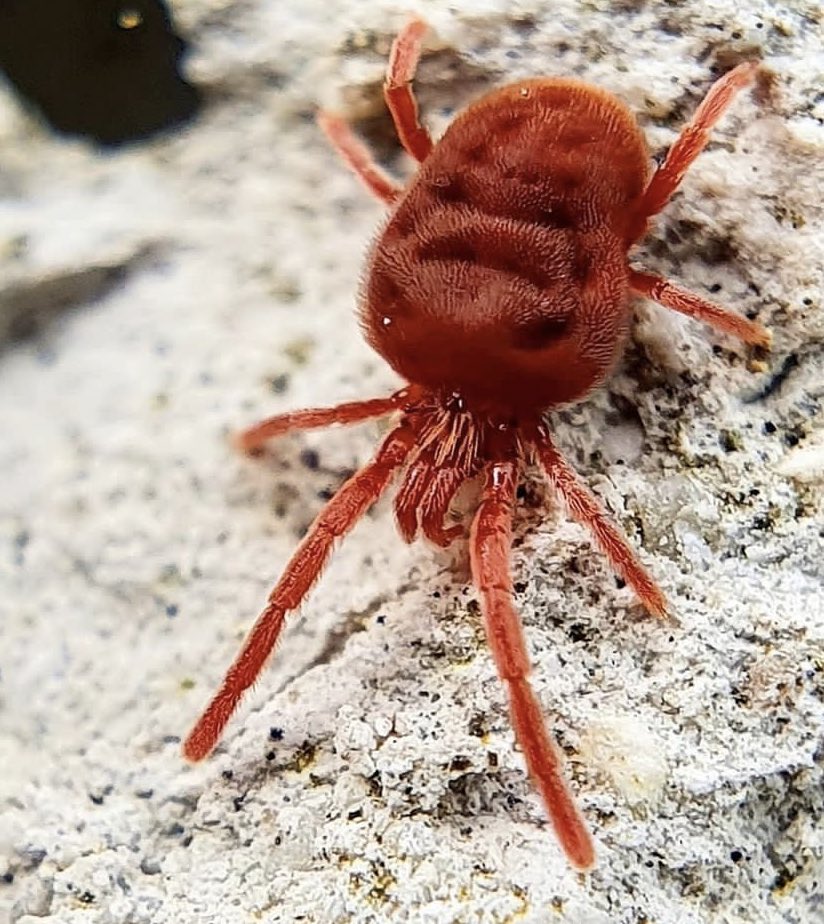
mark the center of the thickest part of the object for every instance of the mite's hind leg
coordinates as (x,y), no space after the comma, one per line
(489,548)
(358,157)
(692,140)
(397,89)
(672,296)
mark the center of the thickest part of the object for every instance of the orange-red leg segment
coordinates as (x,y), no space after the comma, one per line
(358,157)
(435,502)
(584,507)
(693,138)
(423,499)
(408,498)
(672,296)
(349,413)
(489,548)
(397,89)
(334,521)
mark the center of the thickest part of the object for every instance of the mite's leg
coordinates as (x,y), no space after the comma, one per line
(435,502)
(584,507)
(397,89)
(334,521)
(358,157)
(671,296)
(694,136)
(489,548)
(349,413)
(408,497)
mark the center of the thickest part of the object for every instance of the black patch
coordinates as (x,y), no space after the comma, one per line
(448,189)
(774,383)
(475,153)
(557,216)
(540,333)
(107,69)
(448,248)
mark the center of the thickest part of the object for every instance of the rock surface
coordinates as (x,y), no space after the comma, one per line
(156,297)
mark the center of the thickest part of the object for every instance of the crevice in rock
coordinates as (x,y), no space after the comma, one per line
(29,306)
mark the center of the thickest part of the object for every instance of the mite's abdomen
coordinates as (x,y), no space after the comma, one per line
(501,275)
(557,153)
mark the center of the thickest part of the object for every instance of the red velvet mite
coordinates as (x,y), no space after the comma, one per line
(499,289)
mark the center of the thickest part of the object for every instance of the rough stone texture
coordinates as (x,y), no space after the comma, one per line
(182,288)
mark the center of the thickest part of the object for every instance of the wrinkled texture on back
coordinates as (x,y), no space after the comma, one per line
(508,241)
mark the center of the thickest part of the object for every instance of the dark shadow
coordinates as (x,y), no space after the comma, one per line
(105,69)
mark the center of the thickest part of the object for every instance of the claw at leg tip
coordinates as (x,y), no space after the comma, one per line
(240,443)
(658,607)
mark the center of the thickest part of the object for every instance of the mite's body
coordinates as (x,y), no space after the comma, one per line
(502,274)
(498,289)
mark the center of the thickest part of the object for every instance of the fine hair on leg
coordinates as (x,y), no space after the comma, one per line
(435,503)
(333,522)
(407,503)
(693,138)
(358,157)
(669,295)
(490,544)
(397,89)
(584,507)
(352,412)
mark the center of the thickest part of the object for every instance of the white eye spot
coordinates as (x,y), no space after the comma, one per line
(386,321)
(524,92)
